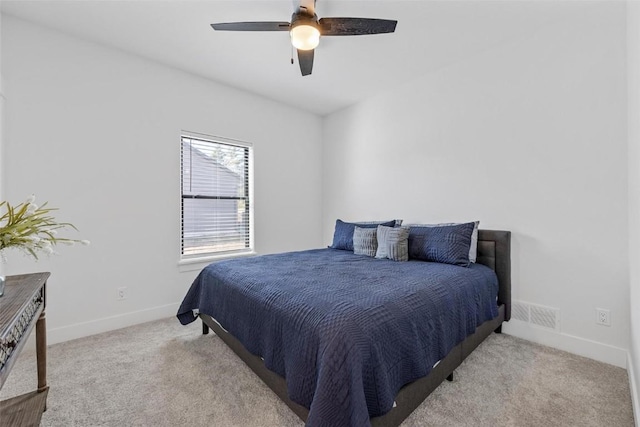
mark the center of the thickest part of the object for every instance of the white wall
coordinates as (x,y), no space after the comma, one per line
(96,132)
(528,137)
(633,114)
(1,131)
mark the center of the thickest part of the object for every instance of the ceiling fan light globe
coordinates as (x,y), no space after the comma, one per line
(305,37)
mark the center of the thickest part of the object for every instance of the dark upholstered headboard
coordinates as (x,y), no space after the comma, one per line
(494,251)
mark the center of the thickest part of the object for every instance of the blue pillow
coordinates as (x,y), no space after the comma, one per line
(445,244)
(473,249)
(343,233)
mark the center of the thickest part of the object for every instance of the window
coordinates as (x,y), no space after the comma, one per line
(216,197)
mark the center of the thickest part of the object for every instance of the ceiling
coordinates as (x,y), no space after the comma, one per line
(430,35)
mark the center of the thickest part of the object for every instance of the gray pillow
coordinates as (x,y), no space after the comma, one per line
(365,241)
(393,243)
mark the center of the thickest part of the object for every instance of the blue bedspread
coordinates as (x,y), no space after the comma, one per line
(346,331)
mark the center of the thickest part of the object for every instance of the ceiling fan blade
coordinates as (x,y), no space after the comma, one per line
(309,6)
(305,59)
(251,26)
(355,26)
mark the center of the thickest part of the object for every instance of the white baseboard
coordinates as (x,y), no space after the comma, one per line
(106,324)
(632,387)
(92,327)
(576,345)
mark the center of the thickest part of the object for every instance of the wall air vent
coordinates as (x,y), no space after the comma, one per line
(546,317)
(520,311)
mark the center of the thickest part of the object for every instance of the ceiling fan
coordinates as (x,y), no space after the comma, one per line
(305,29)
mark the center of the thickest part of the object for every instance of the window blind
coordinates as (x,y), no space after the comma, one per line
(215,197)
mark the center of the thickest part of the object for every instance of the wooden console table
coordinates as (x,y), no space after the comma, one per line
(21,308)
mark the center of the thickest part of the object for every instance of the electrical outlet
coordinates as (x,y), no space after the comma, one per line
(122,293)
(603,317)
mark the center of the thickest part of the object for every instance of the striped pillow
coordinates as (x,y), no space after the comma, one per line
(365,241)
(393,243)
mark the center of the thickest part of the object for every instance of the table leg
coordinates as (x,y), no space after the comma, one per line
(41,352)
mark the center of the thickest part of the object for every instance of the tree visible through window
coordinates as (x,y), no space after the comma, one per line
(215,197)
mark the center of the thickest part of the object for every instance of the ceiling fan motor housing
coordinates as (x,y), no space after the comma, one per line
(304,31)
(302,18)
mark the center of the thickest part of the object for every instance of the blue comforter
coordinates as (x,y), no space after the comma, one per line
(346,331)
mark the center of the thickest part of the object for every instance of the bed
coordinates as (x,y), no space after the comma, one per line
(355,350)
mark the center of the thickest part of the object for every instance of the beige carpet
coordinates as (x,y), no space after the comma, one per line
(165,374)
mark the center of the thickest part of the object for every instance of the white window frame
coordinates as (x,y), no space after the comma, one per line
(187,260)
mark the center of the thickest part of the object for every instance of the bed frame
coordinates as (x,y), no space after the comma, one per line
(494,251)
